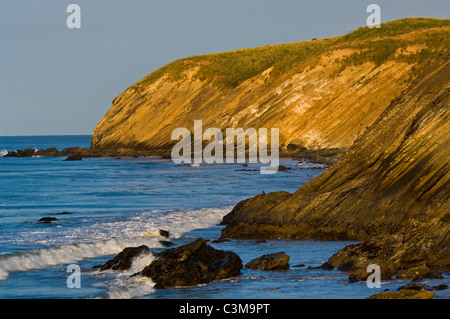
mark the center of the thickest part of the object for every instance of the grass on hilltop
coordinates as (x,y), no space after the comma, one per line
(229,69)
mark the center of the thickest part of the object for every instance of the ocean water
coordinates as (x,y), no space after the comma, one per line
(106,204)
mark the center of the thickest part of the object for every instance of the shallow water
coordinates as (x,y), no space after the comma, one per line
(109,204)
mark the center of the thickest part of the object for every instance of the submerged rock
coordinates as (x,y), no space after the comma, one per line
(420,287)
(74,157)
(440,287)
(324,266)
(276,261)
(47,220)
(282,168)
(220,240)
(124,259)
(64,213)
(191,264)
(166,243)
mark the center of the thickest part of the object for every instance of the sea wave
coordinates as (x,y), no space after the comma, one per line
(3,153)
(66,254)
(306,165)
(103,239)
(120,285)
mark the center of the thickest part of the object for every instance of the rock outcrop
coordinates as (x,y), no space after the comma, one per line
(404,294)
(192,264)
(390,190)
(47,220)
(124,260)
(74,153)
(276,261)
(321,94)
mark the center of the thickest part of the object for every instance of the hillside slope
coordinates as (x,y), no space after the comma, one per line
(391,189)
(320,94)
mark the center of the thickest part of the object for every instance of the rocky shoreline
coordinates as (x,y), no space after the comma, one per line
(391,191)
(326,157)
(198,263)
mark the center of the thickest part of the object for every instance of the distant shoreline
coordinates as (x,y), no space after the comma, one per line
(320,156)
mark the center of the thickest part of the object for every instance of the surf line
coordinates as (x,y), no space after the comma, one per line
(213,152)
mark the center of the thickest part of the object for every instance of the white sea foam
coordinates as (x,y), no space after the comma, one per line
(307,165)
(3,153)
(70,245)
(66,254)
(119,285)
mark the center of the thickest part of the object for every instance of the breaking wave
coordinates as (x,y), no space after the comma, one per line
(107,238)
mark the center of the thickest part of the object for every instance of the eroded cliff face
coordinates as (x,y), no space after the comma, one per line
(391,189)
(326,95)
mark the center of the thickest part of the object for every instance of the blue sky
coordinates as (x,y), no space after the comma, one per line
(55,80)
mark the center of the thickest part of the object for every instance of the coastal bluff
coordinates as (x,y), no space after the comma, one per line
(321,94)
(391,190)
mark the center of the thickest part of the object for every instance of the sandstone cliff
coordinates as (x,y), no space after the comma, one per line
(391,189)
(320,94)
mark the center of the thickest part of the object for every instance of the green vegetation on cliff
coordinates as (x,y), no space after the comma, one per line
(229,69)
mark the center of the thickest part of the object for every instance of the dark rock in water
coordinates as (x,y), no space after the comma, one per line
(52,151)
(70,151)
(298,266)
(429,275)
(277,261)
(192,264)
(164,233)
(29,152)
(166,243)
(47,220)
(74,157)
(124,259)
(324,266)
(282,168)
(64,213)
(220,240)
(420,287)
(440,287)
(261,241)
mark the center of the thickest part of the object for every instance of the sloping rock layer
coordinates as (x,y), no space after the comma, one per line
(391,189)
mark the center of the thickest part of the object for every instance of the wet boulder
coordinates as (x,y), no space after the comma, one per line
(277,261)
(191,264)
(74,157)
(124,259)
(47,220)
